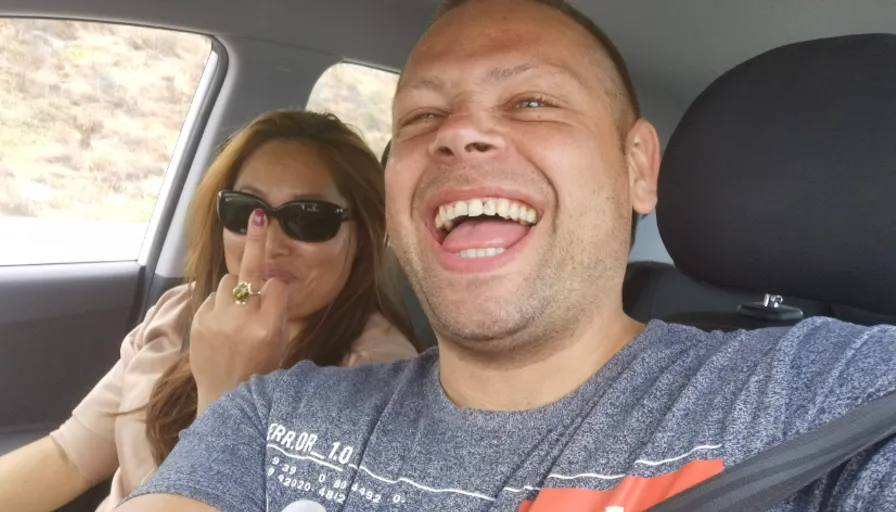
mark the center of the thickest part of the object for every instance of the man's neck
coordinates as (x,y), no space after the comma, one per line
(546,376)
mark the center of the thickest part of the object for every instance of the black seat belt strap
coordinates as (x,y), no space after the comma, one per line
(768,478)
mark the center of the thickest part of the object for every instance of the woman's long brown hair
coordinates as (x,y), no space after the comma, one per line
(371,287)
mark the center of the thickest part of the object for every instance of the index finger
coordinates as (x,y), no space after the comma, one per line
(252,262)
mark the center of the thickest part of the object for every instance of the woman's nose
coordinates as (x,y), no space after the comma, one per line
(277,243)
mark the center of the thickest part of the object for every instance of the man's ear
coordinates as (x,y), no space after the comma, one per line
(643,159)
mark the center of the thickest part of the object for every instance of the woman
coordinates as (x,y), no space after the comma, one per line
(289,220)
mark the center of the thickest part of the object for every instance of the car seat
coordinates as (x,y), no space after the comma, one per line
(776,193)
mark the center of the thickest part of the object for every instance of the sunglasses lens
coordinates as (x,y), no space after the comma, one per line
(309,226)
(305,221)
(234,211)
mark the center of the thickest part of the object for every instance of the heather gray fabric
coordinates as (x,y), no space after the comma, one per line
(669,410)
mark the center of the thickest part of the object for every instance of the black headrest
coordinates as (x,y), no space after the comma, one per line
(781,177)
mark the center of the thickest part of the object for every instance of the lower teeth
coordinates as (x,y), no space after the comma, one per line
(481,253)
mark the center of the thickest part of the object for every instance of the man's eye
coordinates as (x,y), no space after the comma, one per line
(533,103)
(423,116)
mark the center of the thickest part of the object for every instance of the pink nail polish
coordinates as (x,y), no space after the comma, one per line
(258,217)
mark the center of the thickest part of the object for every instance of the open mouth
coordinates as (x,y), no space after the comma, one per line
(483,227)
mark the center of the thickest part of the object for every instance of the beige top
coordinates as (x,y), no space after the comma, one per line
(101,444)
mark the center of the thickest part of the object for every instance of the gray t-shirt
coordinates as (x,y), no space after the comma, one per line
(671,409)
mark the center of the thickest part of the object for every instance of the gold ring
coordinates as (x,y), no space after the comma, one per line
(242,292)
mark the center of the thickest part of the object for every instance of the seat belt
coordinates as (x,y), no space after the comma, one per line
(768,478)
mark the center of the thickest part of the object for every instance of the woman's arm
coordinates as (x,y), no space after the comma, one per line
(39,477)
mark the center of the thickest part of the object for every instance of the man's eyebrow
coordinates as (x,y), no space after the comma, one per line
(505,73)
(550,67)
(497,74)
(432,83)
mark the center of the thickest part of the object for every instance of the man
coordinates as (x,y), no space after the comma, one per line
(518,156)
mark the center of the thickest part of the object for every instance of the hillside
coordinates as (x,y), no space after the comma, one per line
(90,114)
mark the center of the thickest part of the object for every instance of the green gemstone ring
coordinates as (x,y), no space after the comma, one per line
(242,292)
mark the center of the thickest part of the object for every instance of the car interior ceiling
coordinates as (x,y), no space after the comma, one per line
(748,212)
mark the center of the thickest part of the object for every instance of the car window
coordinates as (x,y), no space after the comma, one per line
(90,114)
(361,96)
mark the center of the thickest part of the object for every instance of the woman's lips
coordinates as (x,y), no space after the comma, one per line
(280,275)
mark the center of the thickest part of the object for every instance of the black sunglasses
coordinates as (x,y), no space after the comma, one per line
(305,220)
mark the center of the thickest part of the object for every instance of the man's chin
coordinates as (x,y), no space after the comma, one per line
(478,327)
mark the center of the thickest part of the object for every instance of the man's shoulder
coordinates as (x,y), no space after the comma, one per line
(814,356)
(822,333)
(752,389)
(816,370)
(822,327)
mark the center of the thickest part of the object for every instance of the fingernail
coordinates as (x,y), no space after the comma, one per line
(258,217)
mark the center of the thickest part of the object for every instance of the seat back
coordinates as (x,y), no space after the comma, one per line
(656,290)
(419,322)
(776,189)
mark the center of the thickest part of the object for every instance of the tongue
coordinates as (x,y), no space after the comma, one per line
(484,233)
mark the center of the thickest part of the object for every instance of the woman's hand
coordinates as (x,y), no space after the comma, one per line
(229,342)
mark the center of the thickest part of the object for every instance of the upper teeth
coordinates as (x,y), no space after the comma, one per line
(502,207)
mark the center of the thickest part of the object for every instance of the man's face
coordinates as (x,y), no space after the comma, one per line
(503,111)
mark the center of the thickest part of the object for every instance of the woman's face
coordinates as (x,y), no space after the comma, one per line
(314,273)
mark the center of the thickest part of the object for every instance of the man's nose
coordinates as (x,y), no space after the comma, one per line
(467,136)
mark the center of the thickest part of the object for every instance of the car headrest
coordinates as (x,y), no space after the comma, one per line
(781,176)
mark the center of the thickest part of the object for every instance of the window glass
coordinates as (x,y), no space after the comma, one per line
(89,117)
(360,96)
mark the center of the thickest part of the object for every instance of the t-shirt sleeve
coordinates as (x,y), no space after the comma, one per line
(840,366)
(836,367)
(88,436)
(220,459)
(868,481)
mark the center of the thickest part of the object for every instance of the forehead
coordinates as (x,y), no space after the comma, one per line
(495,39)
(280,171)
